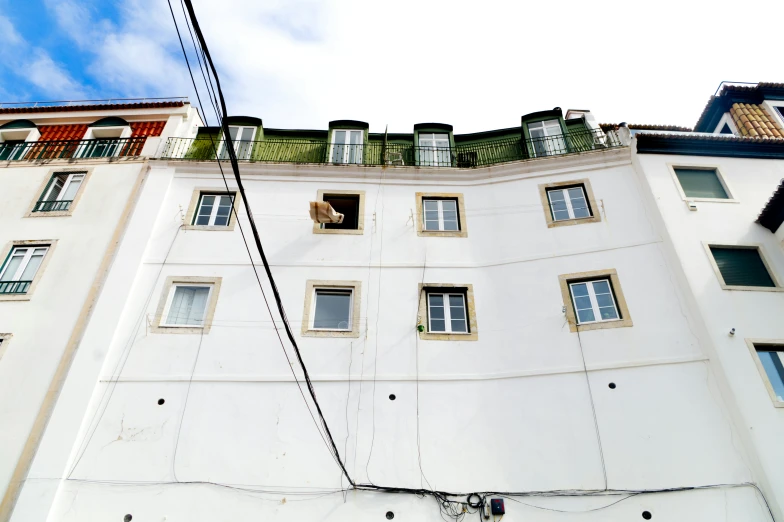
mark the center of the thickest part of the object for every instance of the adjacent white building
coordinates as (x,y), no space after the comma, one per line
(510,311)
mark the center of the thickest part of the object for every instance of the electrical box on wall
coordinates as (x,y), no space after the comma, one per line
(497,506)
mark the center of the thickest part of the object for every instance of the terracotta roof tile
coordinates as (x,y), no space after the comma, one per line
(62,132)
(147,128)
(753,121)
(95,107)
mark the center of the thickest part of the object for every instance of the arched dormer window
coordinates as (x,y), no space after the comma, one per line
(105,137)
(13,138)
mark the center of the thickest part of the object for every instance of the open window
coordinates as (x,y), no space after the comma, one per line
(350,203)
(60,192)
(331,309)
(769,358)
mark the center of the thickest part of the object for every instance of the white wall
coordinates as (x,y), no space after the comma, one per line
(509,412)
(754,315)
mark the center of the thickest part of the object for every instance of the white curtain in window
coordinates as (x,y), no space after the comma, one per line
(188,305)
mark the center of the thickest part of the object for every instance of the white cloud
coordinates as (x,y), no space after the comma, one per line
(45,74)
(8,33)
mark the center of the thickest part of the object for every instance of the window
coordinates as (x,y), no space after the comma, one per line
(331,309)
(772,360)
(60,192)
(546,138)
(726,129)
(12,150)
(446,313)
(441,214)
(781,111)
(214,210)
(434,150)
(701,183)
(568,203)
(20,267)
(187,305)
(347,146)
(346,204)
(242,141)
(350,203)
(594,300)
(741,267)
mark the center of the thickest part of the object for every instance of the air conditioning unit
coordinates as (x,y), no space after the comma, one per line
(466,160)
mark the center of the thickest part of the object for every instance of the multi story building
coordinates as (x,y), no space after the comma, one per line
(69,176)
(499,311)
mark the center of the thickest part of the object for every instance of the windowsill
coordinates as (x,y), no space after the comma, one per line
(438,336)
(442,233)
(199,330)
(752,288)
(311,332)
(220,228)
(710,200)
(604,325)
(344,231)
(55,213)
(576,221)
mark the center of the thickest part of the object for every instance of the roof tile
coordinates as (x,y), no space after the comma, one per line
(753,120)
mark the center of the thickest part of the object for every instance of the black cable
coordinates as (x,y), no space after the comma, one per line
(242,232)
(185,406)
(593,407)
(278,301)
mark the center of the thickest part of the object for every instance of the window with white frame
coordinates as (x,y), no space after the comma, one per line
(347,145)
(20,267)
(60,192)
(186,305)
(594,301)
(242,141)
(546,138)
(332,309)
(440,215)
(214,210)
(568,203)
(446,312)
(434,149)
(12,150)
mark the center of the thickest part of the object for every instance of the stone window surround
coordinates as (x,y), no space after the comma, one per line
(422,313)
(87,171)
(156,327)
(360,230)
(194,205)
(620,301)
(461,212)
(760,250)
(753,344)
(595,217)
(50,243)
(701,166)
(310,291)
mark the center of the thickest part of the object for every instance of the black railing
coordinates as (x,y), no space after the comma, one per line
(463,155)
(52,206)
(14,287)
(64,149)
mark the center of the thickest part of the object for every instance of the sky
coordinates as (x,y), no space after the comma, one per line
(478,65)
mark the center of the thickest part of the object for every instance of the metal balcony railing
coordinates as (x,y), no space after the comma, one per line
(463,155)
(52,206)
(14,287)
(64,149)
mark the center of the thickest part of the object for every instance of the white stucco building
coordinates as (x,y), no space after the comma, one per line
(516,311)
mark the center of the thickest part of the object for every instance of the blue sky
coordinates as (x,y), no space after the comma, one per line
(476,65)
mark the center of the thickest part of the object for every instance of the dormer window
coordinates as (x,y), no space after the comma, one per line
(13,138)
(347,146)
(242,141)
(546,138)
(103,138)
(434,149)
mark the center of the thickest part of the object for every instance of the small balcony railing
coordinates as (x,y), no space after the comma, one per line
(463,155)
(14,287)
(52,206)
(65,149)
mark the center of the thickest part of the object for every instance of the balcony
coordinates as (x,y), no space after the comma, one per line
(71,149)
(14,287)
(377,153)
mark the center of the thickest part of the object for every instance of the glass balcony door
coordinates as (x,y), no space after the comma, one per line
(546,138)
(434,150)
(347,146)
(242,141)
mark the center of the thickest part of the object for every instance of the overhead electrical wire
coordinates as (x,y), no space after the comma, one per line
(447,501)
